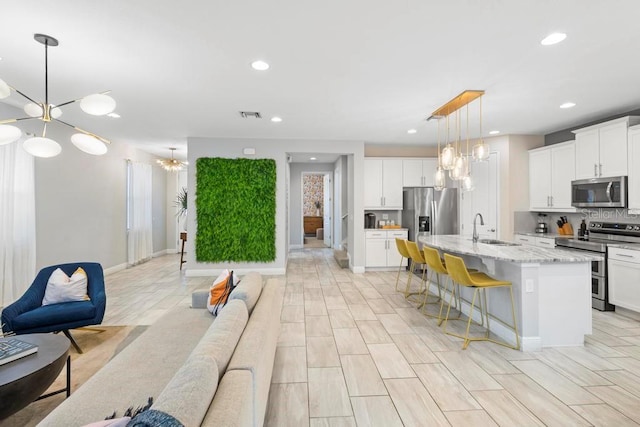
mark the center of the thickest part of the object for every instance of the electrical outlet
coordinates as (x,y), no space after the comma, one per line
(528,285)
(385,216)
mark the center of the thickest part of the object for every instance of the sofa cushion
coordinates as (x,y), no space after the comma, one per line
(65,312)
(62,288)
(189,393)
(233,403)
(221,338)
(248,290)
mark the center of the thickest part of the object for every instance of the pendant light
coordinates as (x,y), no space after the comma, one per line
(172,164)
(480,149)
(466,183)
(440,177)
(459,168)
(448,152)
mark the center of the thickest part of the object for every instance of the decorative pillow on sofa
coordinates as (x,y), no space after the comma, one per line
(61,288)
(220,290)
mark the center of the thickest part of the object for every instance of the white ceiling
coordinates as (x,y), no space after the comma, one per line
(364,70)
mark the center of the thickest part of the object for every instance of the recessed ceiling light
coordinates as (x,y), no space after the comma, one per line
(412,131)
(568,105)
(312,158)
(259,65)
(276,119)
(553,38)
(114,115)
(494,132)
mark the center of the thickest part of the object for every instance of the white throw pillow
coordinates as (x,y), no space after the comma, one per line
(61,288)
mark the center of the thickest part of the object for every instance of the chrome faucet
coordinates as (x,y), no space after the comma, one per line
(475,231)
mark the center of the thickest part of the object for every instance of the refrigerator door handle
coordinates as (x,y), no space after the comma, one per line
(434,219)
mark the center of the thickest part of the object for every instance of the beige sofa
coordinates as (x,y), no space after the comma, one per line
(201,370)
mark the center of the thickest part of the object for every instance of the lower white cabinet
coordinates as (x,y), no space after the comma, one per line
(380,247)
(624,271)
(540,241)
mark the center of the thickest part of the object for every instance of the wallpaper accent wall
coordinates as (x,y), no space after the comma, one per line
(312,192)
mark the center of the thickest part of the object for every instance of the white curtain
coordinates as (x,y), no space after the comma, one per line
(17,222)
(140,245)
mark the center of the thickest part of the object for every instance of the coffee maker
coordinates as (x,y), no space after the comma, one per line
(369,220)
(542,224)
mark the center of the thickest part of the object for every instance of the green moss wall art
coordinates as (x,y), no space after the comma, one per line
(236,210)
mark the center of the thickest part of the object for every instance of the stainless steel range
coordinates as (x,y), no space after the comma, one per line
(600,235)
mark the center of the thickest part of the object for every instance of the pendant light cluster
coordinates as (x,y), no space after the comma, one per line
(98,104)
(172,164)
(452,158)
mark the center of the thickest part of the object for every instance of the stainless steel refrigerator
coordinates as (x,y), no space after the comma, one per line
(428,212)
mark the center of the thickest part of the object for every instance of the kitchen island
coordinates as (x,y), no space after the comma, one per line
(551,289)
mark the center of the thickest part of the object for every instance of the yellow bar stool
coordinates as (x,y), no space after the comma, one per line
(401,244)
(437,267)
(416,258)
(480,282)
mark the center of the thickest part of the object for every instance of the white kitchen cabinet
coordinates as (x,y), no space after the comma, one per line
(382,184)
(380,247)
(601,150)
(634,168)
(624,270)
(418,172)
(539,241)
(551,170)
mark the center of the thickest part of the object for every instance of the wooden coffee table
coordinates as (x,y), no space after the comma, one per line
(24,380)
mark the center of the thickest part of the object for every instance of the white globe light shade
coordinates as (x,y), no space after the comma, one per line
(55,112)
(448,154)
(440,179)
(9,134)
(98,104)
(5,90)
(33,110)
(42,147)
(88,144)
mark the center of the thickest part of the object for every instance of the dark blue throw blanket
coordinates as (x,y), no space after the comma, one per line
(153,418)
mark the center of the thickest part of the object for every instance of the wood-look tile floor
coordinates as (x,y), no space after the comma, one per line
(353,352)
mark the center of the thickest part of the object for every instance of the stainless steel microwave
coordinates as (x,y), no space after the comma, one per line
(599,192)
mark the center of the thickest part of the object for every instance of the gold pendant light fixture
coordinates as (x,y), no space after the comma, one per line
(452,158)
(172,165)
(98,104)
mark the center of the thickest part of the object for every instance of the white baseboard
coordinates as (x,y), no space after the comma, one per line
(115,269)
(356,269)
(191,272)
(160,253)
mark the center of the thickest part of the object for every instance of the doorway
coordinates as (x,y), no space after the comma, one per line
(317,209)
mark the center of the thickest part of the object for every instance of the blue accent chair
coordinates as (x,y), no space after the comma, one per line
(27,315)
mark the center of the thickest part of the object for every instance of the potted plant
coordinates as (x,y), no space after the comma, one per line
(318,204)
(181,204)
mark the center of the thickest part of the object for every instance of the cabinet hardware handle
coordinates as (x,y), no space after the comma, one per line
(551,197)
(626,256)
(600,170)
(492,230)
(595,169)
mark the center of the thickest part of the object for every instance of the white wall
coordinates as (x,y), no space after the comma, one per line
(81,204)
(277,150)
(295,197)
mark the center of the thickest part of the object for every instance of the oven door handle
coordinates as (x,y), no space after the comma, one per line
(609,191)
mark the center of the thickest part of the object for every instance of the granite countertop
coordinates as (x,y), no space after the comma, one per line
(517,253)
(533,234)
(623,245)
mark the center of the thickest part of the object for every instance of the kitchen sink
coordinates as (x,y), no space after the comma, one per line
(497,242)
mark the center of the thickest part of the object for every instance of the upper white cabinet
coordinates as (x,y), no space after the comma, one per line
(418,172)
(601,150)
(382,183)
(634,168)
(551,170)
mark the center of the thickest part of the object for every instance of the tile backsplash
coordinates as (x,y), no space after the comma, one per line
(526,221)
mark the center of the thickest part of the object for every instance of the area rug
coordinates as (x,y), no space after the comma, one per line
(98,348)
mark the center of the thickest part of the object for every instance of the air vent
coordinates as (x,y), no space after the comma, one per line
(249,114)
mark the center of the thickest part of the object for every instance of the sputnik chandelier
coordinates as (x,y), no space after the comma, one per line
(98,104)
(451,158)
(172,165)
